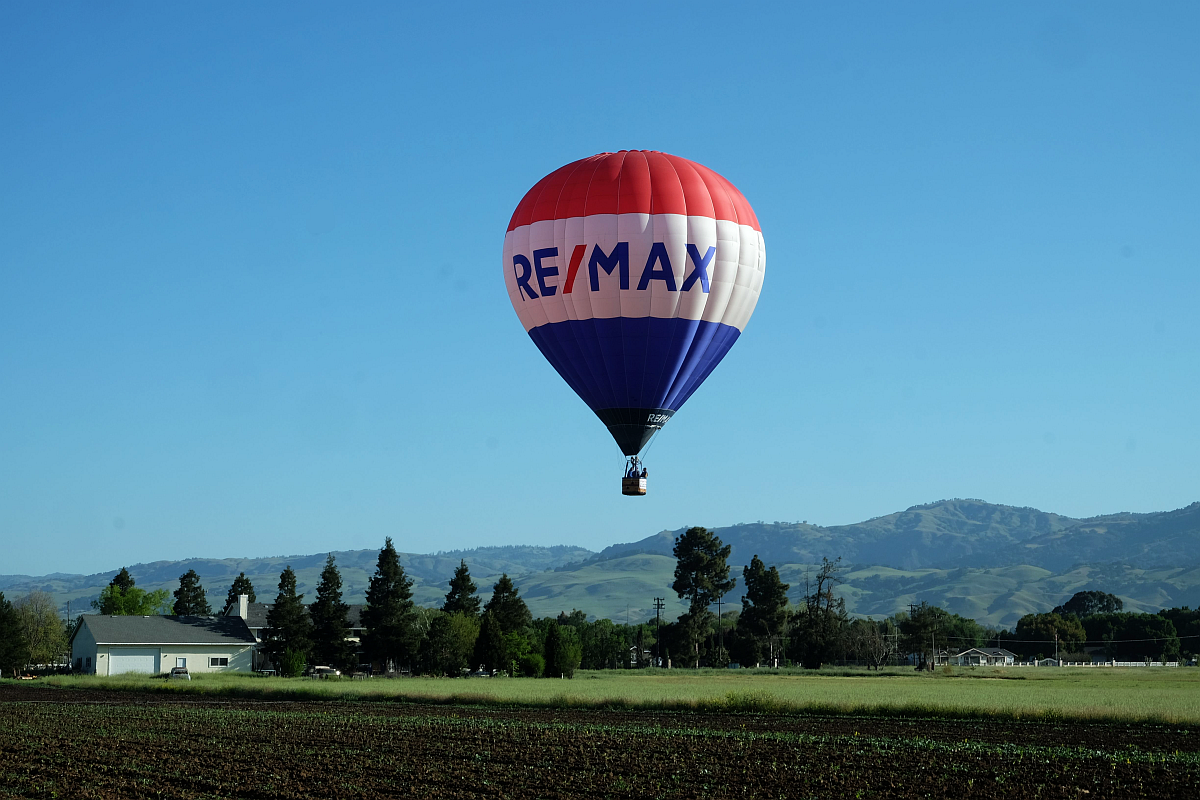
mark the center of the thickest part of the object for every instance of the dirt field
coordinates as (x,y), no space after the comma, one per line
(92,744)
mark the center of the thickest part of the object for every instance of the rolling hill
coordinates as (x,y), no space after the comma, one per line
(991,562)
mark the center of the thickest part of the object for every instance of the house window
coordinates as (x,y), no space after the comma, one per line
(214,661)
(181,662)
(89,663)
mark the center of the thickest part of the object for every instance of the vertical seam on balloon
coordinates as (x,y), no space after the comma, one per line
(607,375)
(664,391)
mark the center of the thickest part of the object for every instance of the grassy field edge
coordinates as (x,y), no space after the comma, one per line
(448,692)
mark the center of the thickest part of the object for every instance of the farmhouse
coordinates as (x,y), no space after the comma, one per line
(984,657)
(109,645)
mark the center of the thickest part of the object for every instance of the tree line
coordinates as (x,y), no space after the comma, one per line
(465,633)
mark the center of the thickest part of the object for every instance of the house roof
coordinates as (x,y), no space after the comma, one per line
(995,652)
(256,614)
(108,629)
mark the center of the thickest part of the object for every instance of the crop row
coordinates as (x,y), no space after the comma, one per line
(336,750)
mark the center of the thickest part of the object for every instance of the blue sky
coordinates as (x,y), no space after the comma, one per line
(251,299)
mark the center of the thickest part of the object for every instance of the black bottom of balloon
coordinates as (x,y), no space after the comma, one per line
(633,427)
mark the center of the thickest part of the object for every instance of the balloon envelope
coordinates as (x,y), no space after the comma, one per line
(634,273)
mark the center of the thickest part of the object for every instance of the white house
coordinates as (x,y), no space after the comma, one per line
(984,657)
(109,645)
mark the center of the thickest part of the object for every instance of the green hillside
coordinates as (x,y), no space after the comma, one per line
(990,562)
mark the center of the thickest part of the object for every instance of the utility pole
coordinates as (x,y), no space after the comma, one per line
(720,633)
(658,608)
(1057,663)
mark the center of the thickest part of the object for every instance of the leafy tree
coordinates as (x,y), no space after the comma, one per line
(491,649)
(14,650)
(764,608)
(461,598)
(389,615)
(744,647)
(330,620)
(563,651)
(1035,634)
(603,644)
(241,586)
(135,602)
(41,628)
(189,597)
(448,648)
(122,598)
(1085,604)
(1187,627)
(819,626)
(1134,637)
(288,624)
(702,576)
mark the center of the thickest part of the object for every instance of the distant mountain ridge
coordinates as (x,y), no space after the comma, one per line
(988,561)
(959,533)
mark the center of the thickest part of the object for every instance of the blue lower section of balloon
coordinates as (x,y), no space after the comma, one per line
(642,362)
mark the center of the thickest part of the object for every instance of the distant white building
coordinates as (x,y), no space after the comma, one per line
(105,644)
(983,657)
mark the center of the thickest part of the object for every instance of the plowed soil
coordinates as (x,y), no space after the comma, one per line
(94,744)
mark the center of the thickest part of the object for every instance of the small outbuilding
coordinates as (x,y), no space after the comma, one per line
(103,644)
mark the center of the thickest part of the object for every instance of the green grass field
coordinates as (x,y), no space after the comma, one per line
(1146,695)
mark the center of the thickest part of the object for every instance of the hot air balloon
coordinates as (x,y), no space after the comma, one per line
(634,273)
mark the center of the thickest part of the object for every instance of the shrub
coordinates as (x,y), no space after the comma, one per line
(533,665)
(291,663)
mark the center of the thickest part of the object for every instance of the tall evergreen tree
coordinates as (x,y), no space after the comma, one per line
(189,597)
(702,576)
(122,580)
(461,598)
(14,650)
(491,650)
(389,616)
(288,625)
(509,609)
(330,619)
(764,608)
(241,585)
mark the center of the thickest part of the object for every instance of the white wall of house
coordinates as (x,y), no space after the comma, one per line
(198,658)
(83,651)
(114,659)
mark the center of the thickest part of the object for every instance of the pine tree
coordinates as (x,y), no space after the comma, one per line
(241,585)
(14,649)
(288,625)
(510,610)
(122,580)
(389,616)
(331,625)
(189,597)
(764,608)
(491,651)
(461,597)
(702,576)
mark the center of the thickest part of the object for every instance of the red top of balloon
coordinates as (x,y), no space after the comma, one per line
(630,182)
